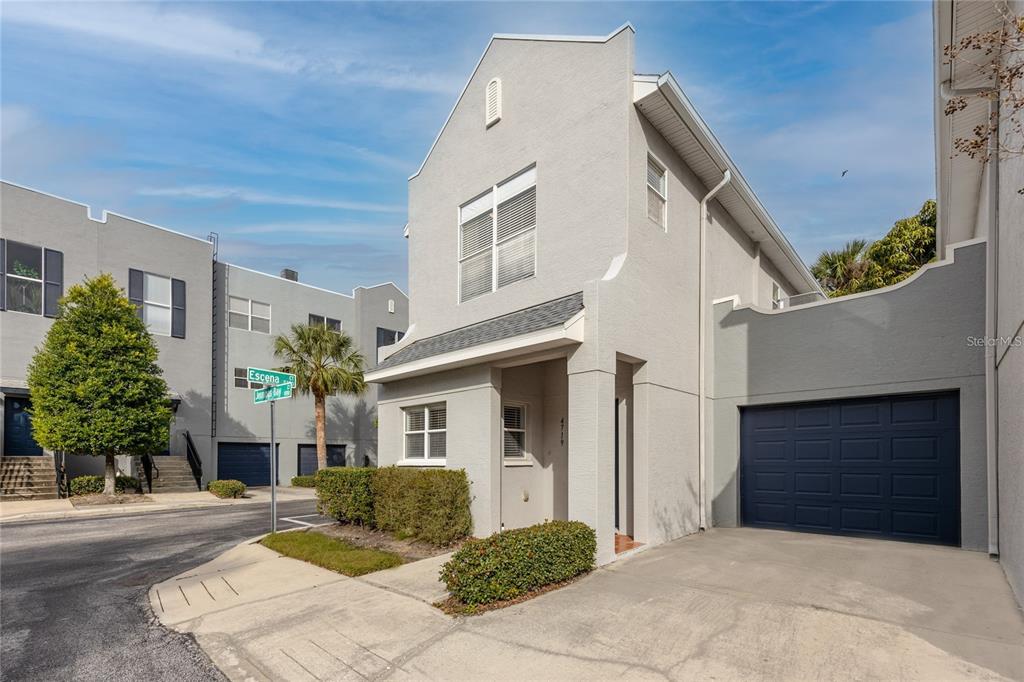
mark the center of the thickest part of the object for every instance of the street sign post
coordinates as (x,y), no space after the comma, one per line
(277,385)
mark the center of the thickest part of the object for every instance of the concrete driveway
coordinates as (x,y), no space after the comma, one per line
(729,604)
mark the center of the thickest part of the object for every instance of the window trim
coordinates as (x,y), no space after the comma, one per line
(157,304)
(249,315)
(41,281)
(426,460)
(495,242)
(663,195)
(526,459)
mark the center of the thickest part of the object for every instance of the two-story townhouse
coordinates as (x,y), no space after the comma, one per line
(210,321)
(567,231)
(252,309)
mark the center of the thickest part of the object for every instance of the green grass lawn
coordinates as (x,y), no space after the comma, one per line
(330,553)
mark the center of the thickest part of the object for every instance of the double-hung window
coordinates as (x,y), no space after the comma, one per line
(249,315)
(514,427)
(426,433)
(497,236)
(31,278)
(160,302)
(778,297)
(657,191)
(327,322)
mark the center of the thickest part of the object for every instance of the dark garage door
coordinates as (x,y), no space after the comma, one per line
(245,462)
(884,467)
(307,457)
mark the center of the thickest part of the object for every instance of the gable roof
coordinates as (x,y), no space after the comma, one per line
(535,318)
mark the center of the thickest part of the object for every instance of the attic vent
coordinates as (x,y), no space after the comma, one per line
(493,101)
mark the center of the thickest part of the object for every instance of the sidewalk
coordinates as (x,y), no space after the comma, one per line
(262,616)
(44,510)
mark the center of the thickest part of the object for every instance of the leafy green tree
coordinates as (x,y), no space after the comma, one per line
(324,362)
(95,384)
(909,245)
(835,270)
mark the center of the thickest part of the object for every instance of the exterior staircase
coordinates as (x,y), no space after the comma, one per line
(175,476)
(28,478)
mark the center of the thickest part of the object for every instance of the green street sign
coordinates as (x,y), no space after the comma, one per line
(266,395)
(269,377)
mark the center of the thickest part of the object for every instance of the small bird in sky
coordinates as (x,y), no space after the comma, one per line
(844,173)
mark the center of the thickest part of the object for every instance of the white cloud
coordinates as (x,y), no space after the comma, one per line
(256,197)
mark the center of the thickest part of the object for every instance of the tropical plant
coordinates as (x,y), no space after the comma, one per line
(325,362)
(835,270)
(95,384)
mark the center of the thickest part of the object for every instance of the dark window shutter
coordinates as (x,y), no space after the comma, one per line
(178,308)
(3,274)
(53,284)
(135,290)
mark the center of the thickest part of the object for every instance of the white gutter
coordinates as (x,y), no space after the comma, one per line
(702,348)
(946,93)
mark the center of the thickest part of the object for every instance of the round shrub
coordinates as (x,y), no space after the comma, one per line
(227,488)
(510,564)
(304,481)
(429,504)
(91,484)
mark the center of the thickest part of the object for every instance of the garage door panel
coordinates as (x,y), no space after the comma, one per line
(245,462)
(886,467)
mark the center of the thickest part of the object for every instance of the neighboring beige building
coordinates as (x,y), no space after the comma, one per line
(556,290)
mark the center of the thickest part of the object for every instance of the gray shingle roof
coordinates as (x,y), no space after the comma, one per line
(533,319)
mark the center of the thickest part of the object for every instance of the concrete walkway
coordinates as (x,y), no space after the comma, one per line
(730,604)
(41,510)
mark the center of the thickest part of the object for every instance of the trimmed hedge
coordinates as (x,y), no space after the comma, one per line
(304,481)
(510,564)
(226,488)
(88,485)
(344,493)
(428,504)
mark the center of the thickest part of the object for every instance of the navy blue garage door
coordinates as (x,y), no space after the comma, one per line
(884,467)
(245,462)
(307,458)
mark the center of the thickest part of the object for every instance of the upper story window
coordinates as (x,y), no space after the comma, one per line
(493,103)
(242,379)
(657,191)
(160,302)
(387,337)
(244,313)
(31,278)
(426,432)
(778,297)
(322,321)
(497,236)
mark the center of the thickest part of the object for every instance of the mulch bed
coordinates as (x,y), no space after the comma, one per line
(360,536)
(453,607)
(101,499)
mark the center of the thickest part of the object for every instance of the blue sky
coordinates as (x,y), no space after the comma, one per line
(291,128)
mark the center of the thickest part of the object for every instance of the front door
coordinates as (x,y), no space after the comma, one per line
(18,439)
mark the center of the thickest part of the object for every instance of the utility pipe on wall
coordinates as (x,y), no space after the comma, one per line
(702,348)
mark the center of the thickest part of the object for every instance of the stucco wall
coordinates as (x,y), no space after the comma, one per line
(91,247)
(349,419)
(564,108)
(909,338)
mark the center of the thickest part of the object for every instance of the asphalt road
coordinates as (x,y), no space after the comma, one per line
(73,599)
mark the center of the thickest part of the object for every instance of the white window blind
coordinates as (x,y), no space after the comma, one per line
(156,297)
(493,103)
(497,240)
(656,191)
(426,432)
(514,418)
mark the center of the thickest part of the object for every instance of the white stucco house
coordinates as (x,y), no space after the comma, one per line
(607,325)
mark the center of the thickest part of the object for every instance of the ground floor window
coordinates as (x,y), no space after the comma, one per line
(514,424)
(426,432)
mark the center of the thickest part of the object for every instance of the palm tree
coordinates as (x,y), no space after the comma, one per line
(324,362)
(836,270)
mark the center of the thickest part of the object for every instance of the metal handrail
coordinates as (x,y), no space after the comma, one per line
(194,462)
(63,482)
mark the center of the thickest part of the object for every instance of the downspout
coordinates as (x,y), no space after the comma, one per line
(702,350)
(991,315)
